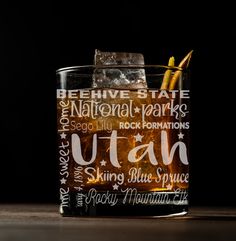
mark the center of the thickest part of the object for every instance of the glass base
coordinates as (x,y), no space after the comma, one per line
(174,208)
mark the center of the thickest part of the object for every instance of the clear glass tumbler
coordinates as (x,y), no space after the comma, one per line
(123,140)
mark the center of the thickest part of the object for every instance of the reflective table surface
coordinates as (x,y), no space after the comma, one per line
(43,222)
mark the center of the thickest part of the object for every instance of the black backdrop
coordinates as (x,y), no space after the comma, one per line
(37,39)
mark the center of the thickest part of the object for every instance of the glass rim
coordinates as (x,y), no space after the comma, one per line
(116,66)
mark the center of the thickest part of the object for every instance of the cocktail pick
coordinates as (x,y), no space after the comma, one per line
(183,64)
(167,75)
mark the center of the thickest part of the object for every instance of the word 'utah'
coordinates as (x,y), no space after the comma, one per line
(147,149)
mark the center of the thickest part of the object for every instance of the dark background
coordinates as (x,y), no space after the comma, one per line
(37,39)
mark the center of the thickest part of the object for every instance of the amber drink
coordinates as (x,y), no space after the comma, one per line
(122,141)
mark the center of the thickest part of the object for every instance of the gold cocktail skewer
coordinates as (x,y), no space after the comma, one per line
(167,75)
(183,64)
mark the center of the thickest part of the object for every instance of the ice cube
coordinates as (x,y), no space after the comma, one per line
(110,58)
(131,78)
